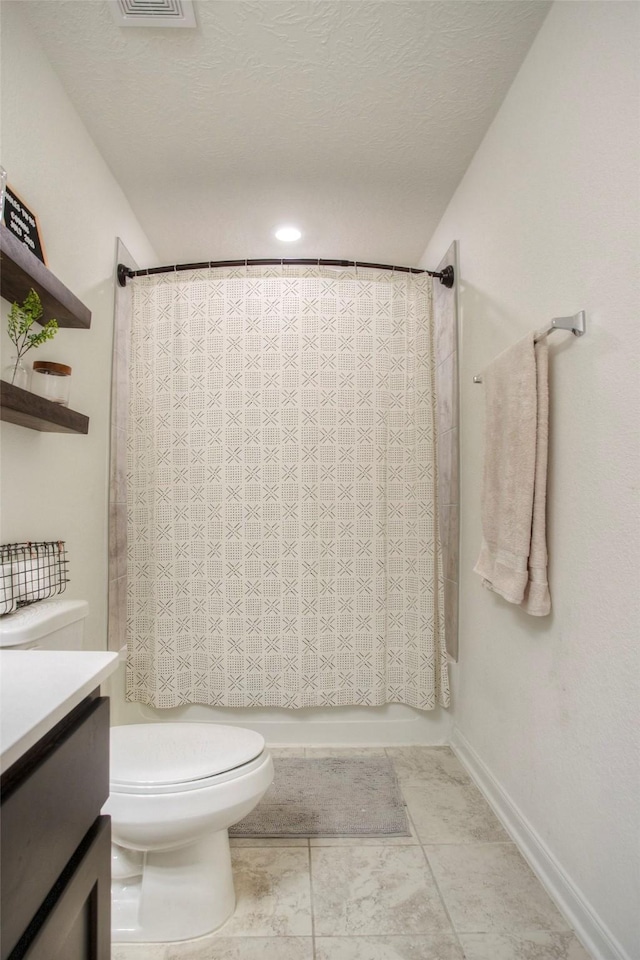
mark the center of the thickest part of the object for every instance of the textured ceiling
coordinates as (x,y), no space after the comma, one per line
(354,120)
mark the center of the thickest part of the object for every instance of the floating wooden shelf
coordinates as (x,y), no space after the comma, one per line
(21,270)
(29,410)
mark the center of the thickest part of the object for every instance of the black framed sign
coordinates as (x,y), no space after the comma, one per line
(23,223)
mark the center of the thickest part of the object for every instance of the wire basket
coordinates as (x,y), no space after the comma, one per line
(30,572)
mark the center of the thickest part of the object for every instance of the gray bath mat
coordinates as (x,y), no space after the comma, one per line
(338,797)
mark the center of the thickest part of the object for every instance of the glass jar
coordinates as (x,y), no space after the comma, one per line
(51,380)
(17,373)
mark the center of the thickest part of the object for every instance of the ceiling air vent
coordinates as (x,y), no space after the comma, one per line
(153,13)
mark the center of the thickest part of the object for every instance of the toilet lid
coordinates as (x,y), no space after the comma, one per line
(165,753)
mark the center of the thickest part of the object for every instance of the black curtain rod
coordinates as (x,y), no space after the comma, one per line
(446,276)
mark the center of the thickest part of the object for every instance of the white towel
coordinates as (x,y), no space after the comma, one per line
(513,555)
(35,577)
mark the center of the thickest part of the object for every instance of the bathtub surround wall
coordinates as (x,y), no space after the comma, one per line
(117,638)
(55,485)
(445,310)
(547,218)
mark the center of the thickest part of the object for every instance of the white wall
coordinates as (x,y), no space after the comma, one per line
(547,219)
(55,485)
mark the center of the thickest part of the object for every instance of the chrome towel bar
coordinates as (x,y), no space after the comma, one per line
(577,325)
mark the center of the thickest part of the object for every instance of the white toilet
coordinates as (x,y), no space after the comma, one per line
(175,790)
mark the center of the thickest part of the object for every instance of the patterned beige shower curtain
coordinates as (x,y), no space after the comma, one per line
(282,525)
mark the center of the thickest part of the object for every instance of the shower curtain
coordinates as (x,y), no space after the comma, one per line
(282,525)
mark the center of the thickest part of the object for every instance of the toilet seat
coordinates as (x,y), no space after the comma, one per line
(155,758)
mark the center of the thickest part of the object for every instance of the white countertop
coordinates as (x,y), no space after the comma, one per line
(38,688)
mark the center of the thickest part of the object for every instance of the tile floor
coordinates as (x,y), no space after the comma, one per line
(456,888)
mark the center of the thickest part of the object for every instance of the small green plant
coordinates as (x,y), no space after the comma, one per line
(21,319)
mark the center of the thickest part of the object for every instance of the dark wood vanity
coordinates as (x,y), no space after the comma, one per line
(56,847)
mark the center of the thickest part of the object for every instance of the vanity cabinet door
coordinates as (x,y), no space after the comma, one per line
(74,922)
(50,799)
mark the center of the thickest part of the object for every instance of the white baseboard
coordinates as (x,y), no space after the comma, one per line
(597,939)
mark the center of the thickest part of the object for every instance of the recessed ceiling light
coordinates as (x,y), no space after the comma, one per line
(288,234)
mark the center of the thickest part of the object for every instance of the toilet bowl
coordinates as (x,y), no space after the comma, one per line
(175,790)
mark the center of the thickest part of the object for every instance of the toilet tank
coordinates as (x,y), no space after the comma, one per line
(47,625)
